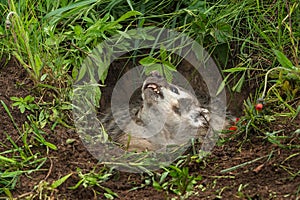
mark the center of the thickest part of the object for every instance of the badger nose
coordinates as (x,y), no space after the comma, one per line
(155,74)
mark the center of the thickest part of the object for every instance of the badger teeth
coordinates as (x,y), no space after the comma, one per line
(154,87)
(156,90)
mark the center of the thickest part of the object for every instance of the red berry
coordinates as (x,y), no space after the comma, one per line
(233,128)
(259,106)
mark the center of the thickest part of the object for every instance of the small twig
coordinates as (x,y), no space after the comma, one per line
(50,170)
(24,195)
(78,48)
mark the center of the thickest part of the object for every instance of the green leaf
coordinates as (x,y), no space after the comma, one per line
(33,106)
(78,30)
(60,181)
(297,113)
(69,7)
(163,177)
(75,73)
(167,73)
(43,77)
(16,99)
(87,19)
(50,145)
(148,61)
(108,196)
(82,72)
(38,64)
(29,99)
(124,34)
(22,108)
(130,5)
(128,14)
(156,185)
(163,52)
(154,67)
(8,193)
(283,60)
(17,104)
(169,66)
(223,32)
(222,85)
(238,86)
(77,185)
(109,191)
(11,174)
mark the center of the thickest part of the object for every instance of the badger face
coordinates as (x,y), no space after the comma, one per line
(173,105)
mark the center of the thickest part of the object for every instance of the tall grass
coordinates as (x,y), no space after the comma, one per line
(251,41)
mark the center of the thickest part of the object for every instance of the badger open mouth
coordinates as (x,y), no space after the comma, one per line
(155,88)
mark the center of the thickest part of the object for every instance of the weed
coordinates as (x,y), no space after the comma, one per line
(22,162)
(95,179)
(45,190)
(177,180)
(18,158)
(24,103)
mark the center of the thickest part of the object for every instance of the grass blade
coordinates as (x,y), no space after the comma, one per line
(10,115)
(283,60)
(60,181)
(5,159)
(241,165)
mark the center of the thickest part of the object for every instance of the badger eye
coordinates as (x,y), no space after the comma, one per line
(174,89)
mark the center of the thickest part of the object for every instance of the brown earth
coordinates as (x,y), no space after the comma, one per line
(275,176)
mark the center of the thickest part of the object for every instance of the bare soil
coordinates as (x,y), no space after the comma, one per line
(274,176)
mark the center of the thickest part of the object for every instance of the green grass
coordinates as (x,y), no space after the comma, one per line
(252,42)
(18,159)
